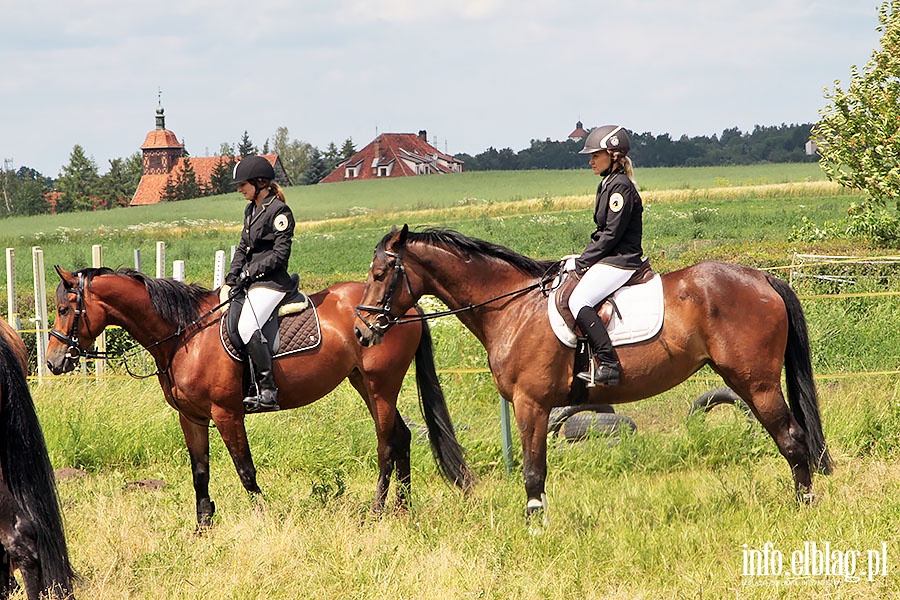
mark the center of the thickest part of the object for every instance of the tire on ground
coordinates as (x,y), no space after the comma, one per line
(559,414)
(706,402)
(582,424)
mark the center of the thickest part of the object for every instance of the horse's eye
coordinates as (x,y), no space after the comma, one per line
(379,274)
(62,310)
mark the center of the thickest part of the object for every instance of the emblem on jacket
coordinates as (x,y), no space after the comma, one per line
(281,222)
(616,201)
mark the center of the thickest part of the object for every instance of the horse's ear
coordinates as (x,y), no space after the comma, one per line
(67,277)
(401,241)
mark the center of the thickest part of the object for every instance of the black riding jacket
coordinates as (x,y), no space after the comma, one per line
(617,213)
(265,246)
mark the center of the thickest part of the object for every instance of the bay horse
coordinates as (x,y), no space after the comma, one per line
(31,527)
(178,324)
(743,323)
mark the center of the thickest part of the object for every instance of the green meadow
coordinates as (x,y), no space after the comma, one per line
(675,509)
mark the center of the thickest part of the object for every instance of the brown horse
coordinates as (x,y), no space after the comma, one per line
(31,529)
(741,322)
(179,325)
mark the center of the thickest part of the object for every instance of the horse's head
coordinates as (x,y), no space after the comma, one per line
(388,293)
(73,331)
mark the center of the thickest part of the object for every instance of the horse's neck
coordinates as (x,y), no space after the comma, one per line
(460,283)
(129,307)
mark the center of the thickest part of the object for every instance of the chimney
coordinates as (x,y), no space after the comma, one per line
(423,135)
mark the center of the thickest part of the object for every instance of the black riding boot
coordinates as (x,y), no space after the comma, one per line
(606,362)
(267,400)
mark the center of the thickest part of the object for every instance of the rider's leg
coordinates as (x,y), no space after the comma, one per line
(258,306)
(597,283)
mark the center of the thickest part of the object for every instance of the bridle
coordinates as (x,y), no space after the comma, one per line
(385,319)
(74,351)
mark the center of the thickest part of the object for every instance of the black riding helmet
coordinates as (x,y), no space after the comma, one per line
(253,167)
(607,137)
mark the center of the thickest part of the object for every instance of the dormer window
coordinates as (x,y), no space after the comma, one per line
(350,172)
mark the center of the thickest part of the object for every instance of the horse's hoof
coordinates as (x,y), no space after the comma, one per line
(807,498)
(536,515)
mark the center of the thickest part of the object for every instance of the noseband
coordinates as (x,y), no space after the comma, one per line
(384,319)
(73,347)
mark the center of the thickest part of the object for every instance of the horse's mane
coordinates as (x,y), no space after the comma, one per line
(174,301)
(469,246)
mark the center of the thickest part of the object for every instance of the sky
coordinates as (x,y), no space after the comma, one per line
(473,73)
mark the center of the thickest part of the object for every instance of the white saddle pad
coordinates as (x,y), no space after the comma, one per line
(641,307)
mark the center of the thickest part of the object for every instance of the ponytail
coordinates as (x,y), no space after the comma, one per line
(276,189)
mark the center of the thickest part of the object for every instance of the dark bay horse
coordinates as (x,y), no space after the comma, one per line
(178,324)
(31,528)
(741,322)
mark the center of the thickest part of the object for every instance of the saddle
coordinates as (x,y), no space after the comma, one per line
(605,307)
(293,326)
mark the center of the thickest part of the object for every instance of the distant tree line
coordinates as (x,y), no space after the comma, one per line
(776,144)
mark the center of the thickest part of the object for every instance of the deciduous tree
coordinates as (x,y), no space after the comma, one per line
(858,135)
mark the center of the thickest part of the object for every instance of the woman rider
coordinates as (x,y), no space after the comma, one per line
(614,251)
(260,267)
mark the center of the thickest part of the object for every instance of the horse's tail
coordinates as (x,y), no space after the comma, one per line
(446,449)
(801,387)
(28,474)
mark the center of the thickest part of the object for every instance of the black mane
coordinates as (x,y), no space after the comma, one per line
(469,246)
(174,301)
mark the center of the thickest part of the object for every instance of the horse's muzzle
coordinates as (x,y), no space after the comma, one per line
(366,336)
(61,361)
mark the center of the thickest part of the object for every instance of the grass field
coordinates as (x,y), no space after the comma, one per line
(673,510)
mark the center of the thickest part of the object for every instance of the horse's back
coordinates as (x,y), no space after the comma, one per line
(724,304)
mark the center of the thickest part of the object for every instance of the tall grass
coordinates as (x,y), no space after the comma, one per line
(665,512)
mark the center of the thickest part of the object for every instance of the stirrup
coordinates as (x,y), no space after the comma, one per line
(262,403)
(608,374)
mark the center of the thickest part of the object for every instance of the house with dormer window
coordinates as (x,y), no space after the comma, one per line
(395,155)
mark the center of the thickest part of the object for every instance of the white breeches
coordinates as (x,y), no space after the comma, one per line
(258,307)
(600,281)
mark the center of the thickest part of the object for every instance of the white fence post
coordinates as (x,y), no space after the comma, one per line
(219,270)
(160,259)
(137,260)
(40,311)
(178,270)
(100,342)
(12,305)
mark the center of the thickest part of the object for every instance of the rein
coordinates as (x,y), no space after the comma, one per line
(385,319)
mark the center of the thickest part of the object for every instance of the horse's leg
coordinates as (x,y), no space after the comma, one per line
(231,428)
(766,400)
(393,437)
(19,542)
(532,420)
(196,436)
(400,450)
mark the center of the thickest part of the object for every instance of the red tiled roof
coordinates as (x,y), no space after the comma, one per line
(578,133)
(161,138)
(400,153)
(150,189)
